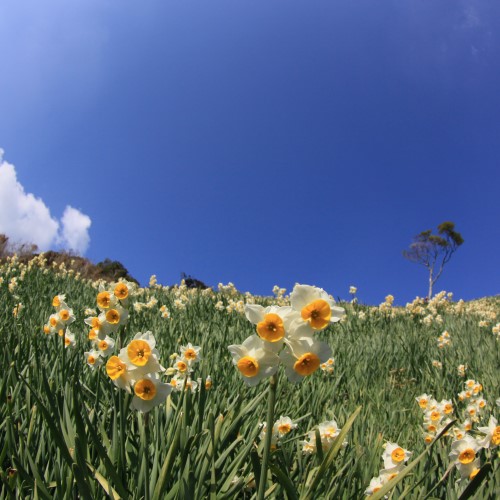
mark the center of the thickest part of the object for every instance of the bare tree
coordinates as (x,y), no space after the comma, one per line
(434,250)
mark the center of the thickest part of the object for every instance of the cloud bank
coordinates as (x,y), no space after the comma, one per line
(25,218)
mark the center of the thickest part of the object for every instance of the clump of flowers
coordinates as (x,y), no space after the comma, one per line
(444,340)
(60,320)
(183,366)
(328,432)
(286,334)
(394,458)
(137,370)
(281,428)
(112,303)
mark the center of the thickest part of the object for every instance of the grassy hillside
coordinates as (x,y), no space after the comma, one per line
(67,430)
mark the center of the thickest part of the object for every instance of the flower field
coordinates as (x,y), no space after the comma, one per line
(110,390)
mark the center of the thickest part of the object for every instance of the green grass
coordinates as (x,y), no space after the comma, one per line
(62,433)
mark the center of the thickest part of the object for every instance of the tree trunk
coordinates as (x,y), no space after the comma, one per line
(429,296)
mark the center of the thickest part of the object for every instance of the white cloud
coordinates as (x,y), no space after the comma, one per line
(26,219)
(75,230)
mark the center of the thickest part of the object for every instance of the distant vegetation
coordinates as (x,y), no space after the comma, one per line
(108,270)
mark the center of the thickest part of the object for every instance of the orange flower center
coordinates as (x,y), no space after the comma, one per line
(317,313)
(139,352)
(190,354)
(115,367)
(145,389)
(103,300)
(467,456)
(307,364)
(248,366)
(121,291)
(272,328)
(113,317)
(398,454)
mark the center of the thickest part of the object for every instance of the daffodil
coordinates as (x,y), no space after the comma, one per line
(303,357)
(270,321)
(464,451)
(254,359)
(190,353)
(93,358)
(491,434)
(141,355)
(394,456)
(105,346)
(283,426)
(316,307)
(69,339)
(149,392)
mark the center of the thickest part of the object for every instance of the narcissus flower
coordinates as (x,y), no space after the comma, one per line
(69,339)
(394,455)
(190,353)
(303,357)
(141,355)
(105,346)
(464,451)
(254,359)
(316,307)
(492,434)
(283,426)
(270,321)
(93,358)
(149,392)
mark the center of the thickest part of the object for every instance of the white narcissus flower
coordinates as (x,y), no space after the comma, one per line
(105,346)
(492,434)
(283,426)
(464,451)
(111,319)
(303,357)
(423,400)
(69,338)
(141,356)
(191,353)
(59,301)
(271,321)
(376,484)
(394,456)
(315,306)
(149,392)
(66,316)
(93,358)
(254,359)
(106,299)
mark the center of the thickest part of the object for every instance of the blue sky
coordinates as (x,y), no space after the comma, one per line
(258,142)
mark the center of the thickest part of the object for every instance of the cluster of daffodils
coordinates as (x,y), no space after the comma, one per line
(113,313)
(471,395)
(137,370)
(327,431)
(328,366)
(386,306)
(165,313)
(286,334)
(60,320)
(444,340)
(280,296)
(436,415)
(281,428)
(465,449)
(394,458)
(183,367)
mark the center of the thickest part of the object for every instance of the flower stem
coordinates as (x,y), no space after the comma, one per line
(273,384)
(146,456)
